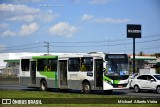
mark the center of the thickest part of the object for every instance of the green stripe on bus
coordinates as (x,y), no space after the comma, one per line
(44,57)
(110,80)
(50,74)
(116,81)
(107,79)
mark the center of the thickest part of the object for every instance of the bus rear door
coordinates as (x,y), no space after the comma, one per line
(33,73)
(63,73)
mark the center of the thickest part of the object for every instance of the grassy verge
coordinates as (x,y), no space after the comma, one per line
(39,94)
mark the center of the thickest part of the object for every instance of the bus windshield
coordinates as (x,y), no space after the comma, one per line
(116,65)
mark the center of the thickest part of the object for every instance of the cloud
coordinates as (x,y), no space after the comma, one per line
(8,33)
(26,18)
(110,20)
(20,14)
(98,1)
(91,18)
(18,8)
(25,30)
(3,25)
(86,17)
(75,1)
(24,13)
(63,29)
(28,29)
(45,17)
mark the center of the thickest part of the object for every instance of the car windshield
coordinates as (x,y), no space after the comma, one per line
(157,77)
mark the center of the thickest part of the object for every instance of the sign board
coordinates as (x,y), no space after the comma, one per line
(133,31)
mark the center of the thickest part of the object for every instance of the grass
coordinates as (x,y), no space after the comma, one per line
(40,94)
(49,94)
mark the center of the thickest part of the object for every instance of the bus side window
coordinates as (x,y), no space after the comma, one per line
(42,64)
(86,64)
(53,65)
(74,64)
(25,64)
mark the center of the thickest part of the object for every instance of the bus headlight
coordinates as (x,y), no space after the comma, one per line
(109,82)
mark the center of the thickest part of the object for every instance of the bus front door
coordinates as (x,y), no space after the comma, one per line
(33,72)
(63,73)
(99,73)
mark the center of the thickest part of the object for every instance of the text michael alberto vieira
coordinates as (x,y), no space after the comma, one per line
(147,101)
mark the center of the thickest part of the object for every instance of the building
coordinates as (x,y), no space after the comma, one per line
(142,62)
(9,62)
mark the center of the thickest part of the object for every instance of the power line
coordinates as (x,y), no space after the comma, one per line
(155,47)
(76,46)
(38,45)
(81,42)
(24,45)
(105,44)
(115,40)
(20,49)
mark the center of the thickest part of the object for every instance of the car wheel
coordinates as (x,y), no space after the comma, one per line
(136,88)
(158,89)
(86,88)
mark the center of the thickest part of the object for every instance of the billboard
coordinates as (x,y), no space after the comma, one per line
(133,31)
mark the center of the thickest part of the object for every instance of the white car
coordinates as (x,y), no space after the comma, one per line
(131,77)
(146,82)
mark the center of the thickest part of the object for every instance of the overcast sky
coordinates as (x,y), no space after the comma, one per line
(78,25)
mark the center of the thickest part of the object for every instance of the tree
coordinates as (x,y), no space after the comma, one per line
(157,55)
(141,53)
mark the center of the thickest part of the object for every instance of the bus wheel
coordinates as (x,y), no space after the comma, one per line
(43,85)
(86,88)
(108,92)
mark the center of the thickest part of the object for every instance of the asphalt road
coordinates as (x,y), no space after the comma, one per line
(128,92)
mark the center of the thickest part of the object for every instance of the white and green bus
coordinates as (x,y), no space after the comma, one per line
(115,70)
(75,71)
(39,71)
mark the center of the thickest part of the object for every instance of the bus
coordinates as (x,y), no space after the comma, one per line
(39,71)
(115,70)
(85,72)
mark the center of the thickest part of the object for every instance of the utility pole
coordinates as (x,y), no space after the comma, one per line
(134,67)
(47,45)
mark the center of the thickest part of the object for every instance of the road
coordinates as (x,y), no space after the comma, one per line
(128,92)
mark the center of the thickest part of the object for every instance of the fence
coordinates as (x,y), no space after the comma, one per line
(9,72)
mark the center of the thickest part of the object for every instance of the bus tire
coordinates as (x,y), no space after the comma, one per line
(43,85)
(108,92)
(86,88)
